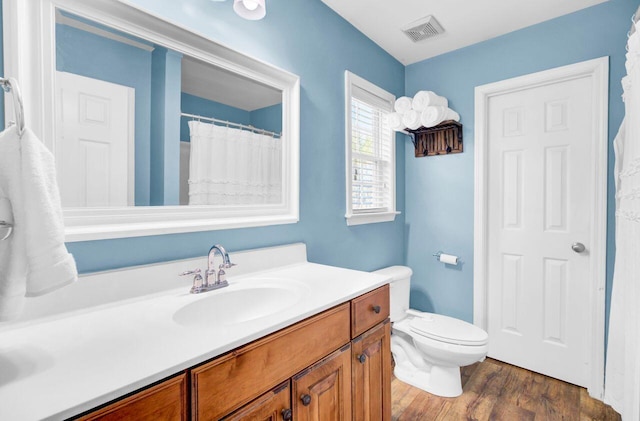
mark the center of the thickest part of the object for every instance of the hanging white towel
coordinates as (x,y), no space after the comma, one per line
(34,260)
(423,99)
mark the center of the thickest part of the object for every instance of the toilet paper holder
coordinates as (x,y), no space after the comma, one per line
(448,258)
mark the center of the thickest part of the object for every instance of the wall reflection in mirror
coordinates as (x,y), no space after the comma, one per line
(138,124)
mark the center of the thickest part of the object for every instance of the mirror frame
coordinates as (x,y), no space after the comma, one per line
(29,34)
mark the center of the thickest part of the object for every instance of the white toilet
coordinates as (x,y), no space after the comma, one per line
(428,348)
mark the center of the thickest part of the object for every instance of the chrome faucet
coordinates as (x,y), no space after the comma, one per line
(211,270)
(212,279)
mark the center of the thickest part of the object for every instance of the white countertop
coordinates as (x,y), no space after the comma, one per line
(65,363)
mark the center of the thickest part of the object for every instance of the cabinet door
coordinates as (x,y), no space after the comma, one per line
(274,405)
(371,380)
(323,392)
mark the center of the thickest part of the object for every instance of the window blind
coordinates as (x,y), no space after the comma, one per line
(371,154)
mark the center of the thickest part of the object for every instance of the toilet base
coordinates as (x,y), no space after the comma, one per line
(440,381)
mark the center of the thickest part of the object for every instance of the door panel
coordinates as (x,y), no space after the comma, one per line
(94,152)
(540,202)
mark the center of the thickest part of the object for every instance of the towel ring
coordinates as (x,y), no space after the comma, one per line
(5,230)
(11,85)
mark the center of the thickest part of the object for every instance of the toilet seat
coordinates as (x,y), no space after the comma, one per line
(448,330)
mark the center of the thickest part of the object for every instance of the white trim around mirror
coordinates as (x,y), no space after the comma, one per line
(29,34)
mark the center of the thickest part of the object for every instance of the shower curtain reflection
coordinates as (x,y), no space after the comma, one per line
(230,166)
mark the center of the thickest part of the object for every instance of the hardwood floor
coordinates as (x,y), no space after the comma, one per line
(493,390)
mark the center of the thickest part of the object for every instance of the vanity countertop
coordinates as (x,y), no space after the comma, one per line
(65,363)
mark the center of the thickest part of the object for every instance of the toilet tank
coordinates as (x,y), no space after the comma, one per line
(399,289)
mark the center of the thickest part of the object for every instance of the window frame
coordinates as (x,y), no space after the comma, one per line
(356,217)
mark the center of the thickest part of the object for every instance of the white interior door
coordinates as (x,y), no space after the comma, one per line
(540,211)
(94,144)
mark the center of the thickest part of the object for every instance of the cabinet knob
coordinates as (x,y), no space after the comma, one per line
(376,309)
(287,414)
(306,399)
(362,358)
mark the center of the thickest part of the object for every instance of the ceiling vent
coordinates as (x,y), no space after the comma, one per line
(422,29)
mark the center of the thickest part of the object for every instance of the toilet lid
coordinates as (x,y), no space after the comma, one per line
(449,330)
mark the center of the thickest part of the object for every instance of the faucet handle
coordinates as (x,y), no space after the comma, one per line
(227,265)
(197,280)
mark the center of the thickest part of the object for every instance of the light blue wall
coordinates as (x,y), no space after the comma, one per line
(90,55)
(192,104)
(166,73)
(268,118)
(439,200)
(310,40)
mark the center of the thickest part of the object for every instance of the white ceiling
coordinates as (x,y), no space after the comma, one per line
(210,82)
(465,22)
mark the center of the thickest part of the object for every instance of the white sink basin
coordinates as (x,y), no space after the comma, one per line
(246,301)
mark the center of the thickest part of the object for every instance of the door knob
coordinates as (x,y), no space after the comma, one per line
(578,247)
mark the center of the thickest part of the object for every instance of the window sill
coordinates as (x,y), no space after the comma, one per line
(370,218)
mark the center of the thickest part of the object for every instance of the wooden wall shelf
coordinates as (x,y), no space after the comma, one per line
(443,139)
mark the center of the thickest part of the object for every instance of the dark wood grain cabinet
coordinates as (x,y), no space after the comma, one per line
(335,365)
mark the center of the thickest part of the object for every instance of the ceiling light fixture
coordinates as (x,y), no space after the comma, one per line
(250,9)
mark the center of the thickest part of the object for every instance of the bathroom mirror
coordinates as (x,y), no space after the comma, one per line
(154,129)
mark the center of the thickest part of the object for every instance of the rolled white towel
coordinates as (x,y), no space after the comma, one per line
(436,114)
(424,99)
(395,121)
(452,115)
(411,119)
(403,104)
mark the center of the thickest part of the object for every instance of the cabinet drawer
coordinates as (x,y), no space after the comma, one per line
(230,381)
(164,401)
(369,309)
(275,405)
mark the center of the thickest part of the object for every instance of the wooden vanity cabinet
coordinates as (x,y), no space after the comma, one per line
(334,366)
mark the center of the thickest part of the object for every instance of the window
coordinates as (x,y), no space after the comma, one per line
(370,153)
